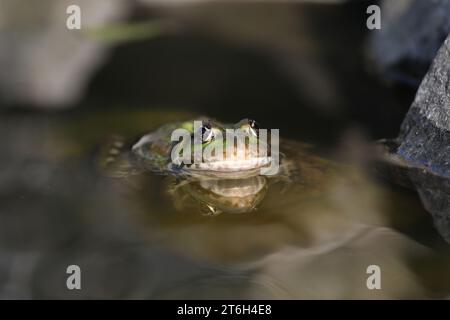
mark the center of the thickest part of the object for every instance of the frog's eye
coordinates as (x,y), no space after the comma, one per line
(207,132)
(254,127)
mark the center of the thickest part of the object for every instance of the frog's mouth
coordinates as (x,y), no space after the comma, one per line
(232,165)
(231,169)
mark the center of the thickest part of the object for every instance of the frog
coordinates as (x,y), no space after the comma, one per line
(156,151)
(217,184)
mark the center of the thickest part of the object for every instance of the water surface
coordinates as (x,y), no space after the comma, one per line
(132,238)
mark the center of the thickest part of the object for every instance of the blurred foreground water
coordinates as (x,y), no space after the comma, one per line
(132,239)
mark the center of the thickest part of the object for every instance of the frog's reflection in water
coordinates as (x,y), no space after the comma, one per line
(215,196)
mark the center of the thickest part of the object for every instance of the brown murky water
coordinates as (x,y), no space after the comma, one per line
(137,237)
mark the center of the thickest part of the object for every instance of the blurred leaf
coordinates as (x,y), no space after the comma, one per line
(126,32)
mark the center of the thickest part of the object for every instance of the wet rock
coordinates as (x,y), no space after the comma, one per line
(425,133)
(437,202)
(420,156)
(411,33)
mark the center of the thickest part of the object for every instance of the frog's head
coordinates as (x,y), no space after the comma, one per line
(222,151)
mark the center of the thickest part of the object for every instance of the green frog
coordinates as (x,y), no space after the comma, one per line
(223,182)
(156,151)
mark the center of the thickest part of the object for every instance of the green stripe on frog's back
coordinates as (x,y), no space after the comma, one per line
(153,150)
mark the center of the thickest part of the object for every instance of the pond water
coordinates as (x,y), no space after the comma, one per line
(301,68)
(139,237)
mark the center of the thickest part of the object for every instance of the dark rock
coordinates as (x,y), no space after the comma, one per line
(411,33)
(437,202)
(420,156)
(425,132)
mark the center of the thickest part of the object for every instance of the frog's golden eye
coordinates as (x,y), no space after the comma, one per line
(207,133)
(254,127)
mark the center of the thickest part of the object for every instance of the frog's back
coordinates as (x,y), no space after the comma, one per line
(153,150)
